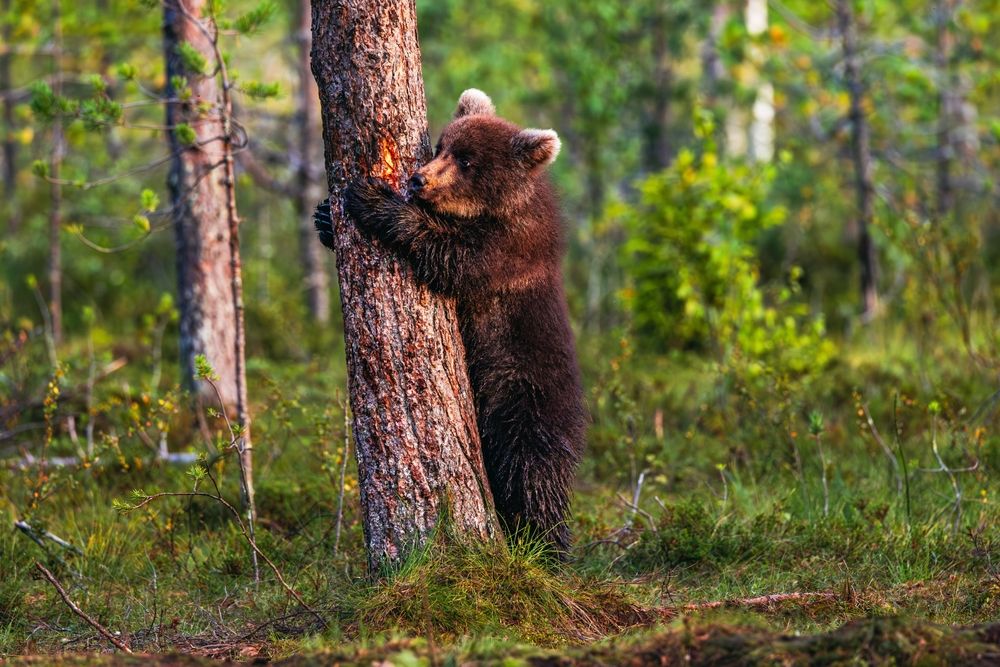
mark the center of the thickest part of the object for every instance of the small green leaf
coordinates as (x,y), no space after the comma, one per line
(142,222)
(261,91)
(194,61)
(126,71)
(150,201)
(40,168)
(255,18)
(185,134)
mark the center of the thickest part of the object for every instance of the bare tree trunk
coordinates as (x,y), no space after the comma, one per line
(55,204)
(202,187)
(862,156)
(308,191)
(198,193)
(712,68)
(417,442)
(9,144)
(947,115)
(657,149)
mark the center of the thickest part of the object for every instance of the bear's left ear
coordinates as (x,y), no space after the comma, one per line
(539,147)
(473,102)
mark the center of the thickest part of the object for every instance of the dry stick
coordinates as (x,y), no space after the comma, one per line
(239,521)
(760,601)
(246,485)
(343,476)
(885,448)
(120,645)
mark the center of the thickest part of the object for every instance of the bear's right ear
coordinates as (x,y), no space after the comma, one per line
(474,101)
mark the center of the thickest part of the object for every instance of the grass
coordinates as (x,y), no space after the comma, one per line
(732,505)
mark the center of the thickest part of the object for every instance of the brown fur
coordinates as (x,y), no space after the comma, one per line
(482,224)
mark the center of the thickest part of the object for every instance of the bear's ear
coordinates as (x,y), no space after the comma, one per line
(474,101)
(539,147)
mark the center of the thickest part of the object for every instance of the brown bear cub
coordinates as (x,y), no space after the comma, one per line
(480,223)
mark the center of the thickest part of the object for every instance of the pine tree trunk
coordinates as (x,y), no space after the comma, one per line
(308,191)
(862,156)
(417,443)
(947,105)
(55,189)
(9,144)
(202,184)
(198,194)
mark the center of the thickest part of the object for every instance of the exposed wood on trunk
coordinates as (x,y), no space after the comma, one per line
(309,174)
(861,153)
(202,186)
(55,192)
(417,442)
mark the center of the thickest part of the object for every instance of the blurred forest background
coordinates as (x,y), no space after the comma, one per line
(784,275)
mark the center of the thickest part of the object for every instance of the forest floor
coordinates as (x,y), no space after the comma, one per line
(713,525)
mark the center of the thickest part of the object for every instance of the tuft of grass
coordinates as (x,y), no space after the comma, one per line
(452,589)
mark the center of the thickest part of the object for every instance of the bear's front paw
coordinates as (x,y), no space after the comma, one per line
(369,201)
(323,221)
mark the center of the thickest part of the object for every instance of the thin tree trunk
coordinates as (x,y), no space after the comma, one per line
(55,194)
(9,144)
(657,149)
(200,202)
(308,177)
(417,443)
(761,144)
(202,187)
(712,67)
(946,109)
(862,157)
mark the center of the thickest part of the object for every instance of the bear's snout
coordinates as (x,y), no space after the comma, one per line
(416,183)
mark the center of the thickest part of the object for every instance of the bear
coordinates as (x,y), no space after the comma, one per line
(481,223)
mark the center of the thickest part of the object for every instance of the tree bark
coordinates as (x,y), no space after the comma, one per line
(55,192)
(308,191)
(947,107)
(201,226)
(417,442)
(202,185)
(862,156)
(9,144)
(657,149)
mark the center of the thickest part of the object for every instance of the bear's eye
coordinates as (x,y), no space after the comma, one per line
(464,162)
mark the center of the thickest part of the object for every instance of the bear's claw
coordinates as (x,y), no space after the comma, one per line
(323,220)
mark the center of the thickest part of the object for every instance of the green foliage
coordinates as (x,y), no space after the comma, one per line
(252,21)
(194,61)
(694,273)
(261,91)
(185,134)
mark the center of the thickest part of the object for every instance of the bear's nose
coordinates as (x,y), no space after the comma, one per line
(417,182)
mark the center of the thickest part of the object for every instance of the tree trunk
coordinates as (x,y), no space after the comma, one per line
(9,144)
(198,193)
(308,191)
(947,108)
(862,155)
(417,443)
(712,68)
(55,193)
(657,150)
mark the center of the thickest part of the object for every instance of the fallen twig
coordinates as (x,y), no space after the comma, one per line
(119,644)
(759,601)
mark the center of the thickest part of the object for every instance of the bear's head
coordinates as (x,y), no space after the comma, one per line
(482,162)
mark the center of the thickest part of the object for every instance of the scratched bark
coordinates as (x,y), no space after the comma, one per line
(414,422)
